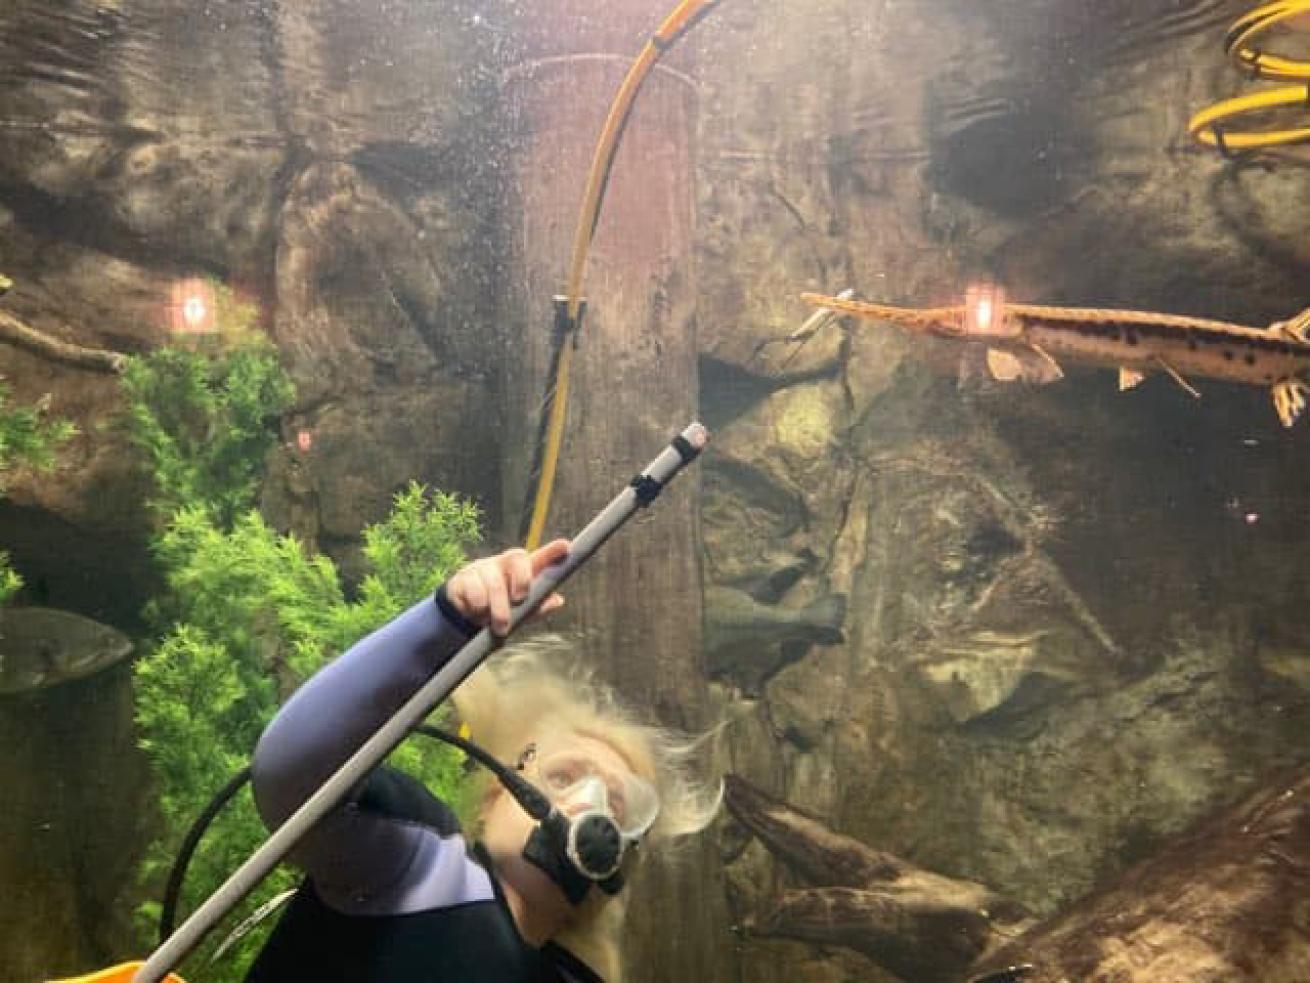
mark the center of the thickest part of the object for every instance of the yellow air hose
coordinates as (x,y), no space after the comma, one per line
(684,17)
(1207,126)
(1238,42)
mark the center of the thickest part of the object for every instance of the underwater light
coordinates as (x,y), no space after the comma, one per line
(192,308)
(194,311)
(984,304)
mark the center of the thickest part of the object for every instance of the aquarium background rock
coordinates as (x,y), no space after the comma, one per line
(1058,603)
(1065,640)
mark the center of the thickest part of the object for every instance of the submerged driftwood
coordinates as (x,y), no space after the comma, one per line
(1224,902)
(915,923)
(16,332)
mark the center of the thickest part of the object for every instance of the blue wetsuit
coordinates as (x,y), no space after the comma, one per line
(393,893)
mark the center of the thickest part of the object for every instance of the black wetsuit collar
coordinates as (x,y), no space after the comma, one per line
(573,968)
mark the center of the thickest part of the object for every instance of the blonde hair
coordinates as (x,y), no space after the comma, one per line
(541,686)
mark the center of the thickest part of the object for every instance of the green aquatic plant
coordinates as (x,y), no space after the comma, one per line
(204,422)
(250,615)
(27,437)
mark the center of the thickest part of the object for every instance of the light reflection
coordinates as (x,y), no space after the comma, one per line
(984,305)
(191,310)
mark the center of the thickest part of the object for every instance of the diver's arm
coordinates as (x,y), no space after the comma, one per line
(332,714)
(326,721)
(338,709)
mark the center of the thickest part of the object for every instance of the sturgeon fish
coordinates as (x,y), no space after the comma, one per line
(1025,343)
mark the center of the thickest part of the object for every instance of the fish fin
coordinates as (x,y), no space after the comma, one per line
(1177,377)
(1033,366)
(1003,366)
(1290,400)
(1296,329)
(1129,378)
(1053,370)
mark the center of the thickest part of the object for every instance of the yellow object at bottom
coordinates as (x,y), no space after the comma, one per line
(121,973)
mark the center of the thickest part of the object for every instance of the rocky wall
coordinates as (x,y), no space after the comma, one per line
(1070,614)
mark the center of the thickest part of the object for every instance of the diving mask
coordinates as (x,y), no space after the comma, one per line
(576,783)
(598,814)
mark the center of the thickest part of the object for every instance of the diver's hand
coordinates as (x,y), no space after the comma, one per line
(484,590)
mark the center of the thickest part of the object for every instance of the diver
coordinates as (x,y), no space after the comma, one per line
(393,892)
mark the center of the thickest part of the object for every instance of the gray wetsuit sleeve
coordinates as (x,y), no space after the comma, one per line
(352,853)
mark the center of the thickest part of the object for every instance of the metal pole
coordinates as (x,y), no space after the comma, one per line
(683,449)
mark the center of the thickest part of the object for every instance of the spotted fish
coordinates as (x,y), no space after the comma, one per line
(1025,343)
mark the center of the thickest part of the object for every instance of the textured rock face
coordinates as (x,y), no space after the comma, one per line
(342,187)
(72,825)
(1069,609)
